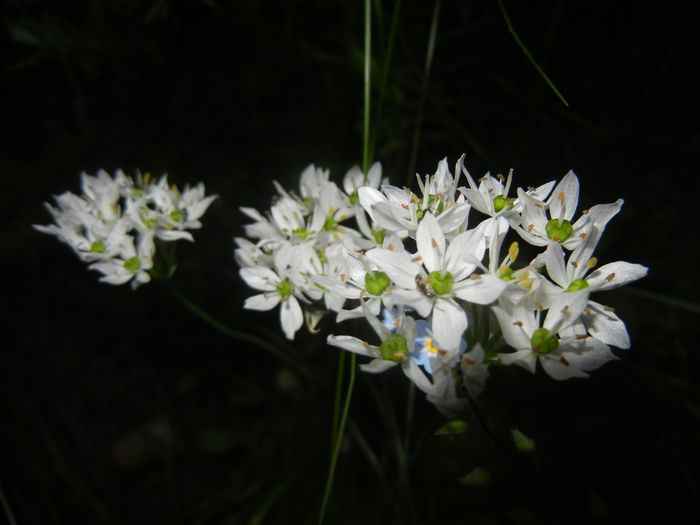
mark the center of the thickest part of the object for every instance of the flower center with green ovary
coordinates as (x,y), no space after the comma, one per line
(176,215)
(284,288)
(376,282)
(559,229)
(330,224)
(544,342)
(441,281)
(354,197)
(394,348)
(98,247)
(578,284)
(379,236)
(301,233)
(133,264)
(499,202)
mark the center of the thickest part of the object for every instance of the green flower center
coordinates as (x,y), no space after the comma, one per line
(559,229)
(394,348)
(301,233)
(331,224)
(150,223)
(379,236)
(543,342)
(499,202)
(376,282)
(176,215)
(284,288)
(98,247)
(354,197)
(578,284)
(506,273)
(133,264)
(441,281)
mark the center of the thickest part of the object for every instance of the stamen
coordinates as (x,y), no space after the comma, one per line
(608,308)
(610,277)
(518,323)
(591,262)
(434,243)
(530,227)
(563,361)
(390,247)
(560,197)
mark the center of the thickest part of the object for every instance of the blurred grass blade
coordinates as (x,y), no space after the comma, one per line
(529,56)
(423,91)
(670,301)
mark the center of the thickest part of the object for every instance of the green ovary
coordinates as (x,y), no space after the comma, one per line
(98,247)
(379,236)
(578,284)
(133,264)
(394,348)
(301,233)
(499,202)
(176,215)
(441,281)
(543,342)
(559,229)
(376,282)
(354,198)
(331,224)
(284,288)
(506,273)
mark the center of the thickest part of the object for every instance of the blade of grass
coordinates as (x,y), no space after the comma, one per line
(6,508)
(529,56)
(423,91)
(661,298)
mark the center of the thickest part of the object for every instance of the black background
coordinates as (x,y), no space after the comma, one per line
(122,407)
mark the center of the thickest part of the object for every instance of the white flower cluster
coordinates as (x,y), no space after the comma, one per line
(444,301)
(114,223)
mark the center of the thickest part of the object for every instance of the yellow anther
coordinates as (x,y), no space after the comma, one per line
(591,263)
(513,251)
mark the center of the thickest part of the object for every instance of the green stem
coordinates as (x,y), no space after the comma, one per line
(6,508)
(423,91)
(242,336)
(338,396)
(338,441)
(670,301)
(368,61)
(529,56)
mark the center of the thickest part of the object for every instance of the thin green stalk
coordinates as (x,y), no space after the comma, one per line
(6,508)
(339,438)
(529,56)
(242,336)
(670,301)
(338,396)
(368,61)
(384,79)
(423,91)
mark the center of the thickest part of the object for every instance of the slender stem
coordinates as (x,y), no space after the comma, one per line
(339,439)
(368,83)
(338,396)
(529,56)
(423,91)
(6,508)
(670,301)
(243,336)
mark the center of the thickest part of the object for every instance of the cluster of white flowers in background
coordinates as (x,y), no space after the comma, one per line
(116,220)
(443,294)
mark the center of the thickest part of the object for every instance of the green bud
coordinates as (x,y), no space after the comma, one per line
(394,348)
(441,281)
(176,215)
(301,233)
(98,247)
(379,236)
(476,478)
(452,428)
(284,288)
(376,282)
(354,197)
(543,342)
(559,229)
(522,442)
(331,224)
(578,284)
(133,264)
(499,202)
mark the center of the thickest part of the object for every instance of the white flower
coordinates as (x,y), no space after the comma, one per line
(131,263)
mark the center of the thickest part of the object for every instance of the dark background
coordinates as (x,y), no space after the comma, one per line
(123,407)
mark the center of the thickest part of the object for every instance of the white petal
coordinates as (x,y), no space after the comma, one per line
(291,316)
(377,366)
(524,358)
(431,243)
(564,199)
(605,326)
(587,354)
(449,324)
(484,290)
(260,278)
(398,266)
(558,370)
(262,302)
(553,257)
(350,343)
(615,274)
(514,334)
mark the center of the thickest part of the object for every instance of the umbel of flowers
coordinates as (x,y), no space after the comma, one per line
(115,222)
(447,296)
